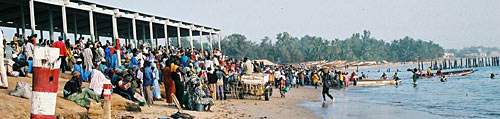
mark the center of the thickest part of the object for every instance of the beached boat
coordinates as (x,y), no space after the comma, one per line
(378,82)
(449,73)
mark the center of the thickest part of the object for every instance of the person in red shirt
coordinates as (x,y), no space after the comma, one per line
(62,53)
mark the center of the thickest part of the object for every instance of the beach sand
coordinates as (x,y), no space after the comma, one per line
(248,108)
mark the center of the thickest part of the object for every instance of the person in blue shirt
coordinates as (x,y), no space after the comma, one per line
(107,55)
(148,83)
(114,61)
(134,62)
(84,74)
(185,61)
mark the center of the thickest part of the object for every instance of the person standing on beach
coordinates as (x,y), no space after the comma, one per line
(62,53)
(148,83)
(169,84)
(326,85)
(315,79)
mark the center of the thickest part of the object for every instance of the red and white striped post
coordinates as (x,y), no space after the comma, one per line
(107,100)
(45,82)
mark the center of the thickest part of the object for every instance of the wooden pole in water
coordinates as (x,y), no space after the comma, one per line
(431,65)
(449,64)
(496,61)
(465,63)
(435,64)
(422,63)
(444,64)
(455,64)
(461,63)
(482,62)
(418,65)
(474,62)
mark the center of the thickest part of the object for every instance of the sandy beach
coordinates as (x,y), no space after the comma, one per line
(248,108)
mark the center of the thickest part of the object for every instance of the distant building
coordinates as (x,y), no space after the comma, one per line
(449,55)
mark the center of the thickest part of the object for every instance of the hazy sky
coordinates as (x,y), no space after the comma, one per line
(450,23)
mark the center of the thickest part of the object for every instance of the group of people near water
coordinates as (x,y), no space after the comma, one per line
(193,77)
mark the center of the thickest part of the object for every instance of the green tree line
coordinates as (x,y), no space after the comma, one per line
(359,47)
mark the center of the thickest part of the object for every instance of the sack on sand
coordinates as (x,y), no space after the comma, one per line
(22,90)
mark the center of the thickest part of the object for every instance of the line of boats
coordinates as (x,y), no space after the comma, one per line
(382,82)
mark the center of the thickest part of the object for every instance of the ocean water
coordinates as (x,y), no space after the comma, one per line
(471,96)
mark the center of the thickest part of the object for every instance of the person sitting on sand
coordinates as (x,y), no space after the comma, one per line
(73,91)
(200,96)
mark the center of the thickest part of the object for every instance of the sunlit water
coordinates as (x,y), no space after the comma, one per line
(471,96)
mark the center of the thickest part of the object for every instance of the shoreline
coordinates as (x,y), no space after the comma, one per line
(285,108)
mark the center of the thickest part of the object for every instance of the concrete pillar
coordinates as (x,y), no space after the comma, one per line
(91,25)
(191,37)
(201,37)
(32,16)
(210,40)
(165,31)
(179,44)
(151,32)
(97,38)
(115,29)
(134,31)
(106,94)
(51,25)
(45,82)
(220,38)
(115,35)
(3,81)
(143,33)
(64,22)
(156,38)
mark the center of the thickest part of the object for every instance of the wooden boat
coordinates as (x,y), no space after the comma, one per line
(377,82)
(449,73)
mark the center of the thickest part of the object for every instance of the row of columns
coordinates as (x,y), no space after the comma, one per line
(93,31)
(465,63)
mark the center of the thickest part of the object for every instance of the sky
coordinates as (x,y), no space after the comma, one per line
(450,23)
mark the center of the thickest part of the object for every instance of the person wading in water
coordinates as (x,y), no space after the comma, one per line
(326,85)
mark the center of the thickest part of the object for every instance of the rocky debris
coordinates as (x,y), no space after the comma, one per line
(133,107)
(127,117)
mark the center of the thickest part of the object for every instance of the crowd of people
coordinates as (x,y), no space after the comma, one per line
(193,76)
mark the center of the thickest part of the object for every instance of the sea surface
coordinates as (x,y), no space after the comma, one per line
(472,96)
